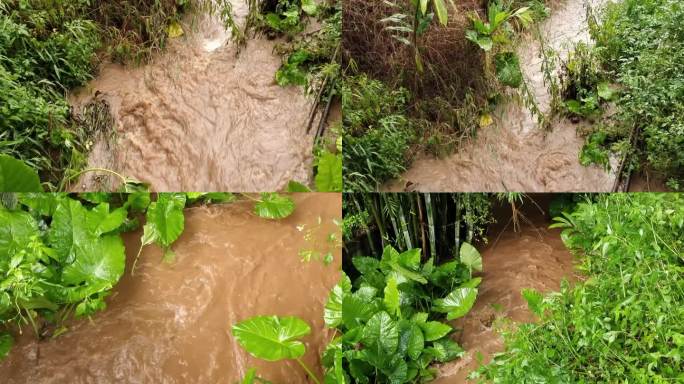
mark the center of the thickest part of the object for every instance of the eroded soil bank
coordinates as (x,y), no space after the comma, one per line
(198,117)
(171,323)
(514,153)
(534,257)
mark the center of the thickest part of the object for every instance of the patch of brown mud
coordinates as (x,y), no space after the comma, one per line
(171,323)
(198,117)
(515,154)
(533,258)
(645,182)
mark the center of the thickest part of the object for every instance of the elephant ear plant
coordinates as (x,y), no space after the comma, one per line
(389,322)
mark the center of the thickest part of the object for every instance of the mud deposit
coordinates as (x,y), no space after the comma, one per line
(200,118)
(171,323)
(514,153)
(535,258)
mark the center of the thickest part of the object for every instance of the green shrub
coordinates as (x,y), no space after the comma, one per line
(641,43)
(623,323)
(377,134)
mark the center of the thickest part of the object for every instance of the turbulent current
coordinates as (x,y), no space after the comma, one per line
(515,154)
(534,257)
(170,323)
(199,117)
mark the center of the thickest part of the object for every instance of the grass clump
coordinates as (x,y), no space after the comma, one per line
(623,323)
(640,48)
(377,132)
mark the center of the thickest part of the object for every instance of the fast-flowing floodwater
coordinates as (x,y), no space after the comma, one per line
(171,323)
(534,257)
(514,153)
(200,118)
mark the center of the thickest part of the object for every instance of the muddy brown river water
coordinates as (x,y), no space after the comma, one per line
(515,154)
(171,323)
(200,118)
(535,258)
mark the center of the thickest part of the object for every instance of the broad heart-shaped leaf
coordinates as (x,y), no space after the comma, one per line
(272,338)
(471,257)
(508,69)
(274,206)
(97,261)
(411,339)
(381,334)
(16,176)
(16,229)
(356,310)
(165,219)
(332,313)
(329,173)
(457,303)
(6,343)
(434,330)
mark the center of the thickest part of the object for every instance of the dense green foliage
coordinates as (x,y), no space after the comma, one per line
(623,323)
(390,319)
(640,47)
(50,46)
(377,134)
(61,254)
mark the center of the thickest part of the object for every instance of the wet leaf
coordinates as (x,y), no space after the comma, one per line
(333,308)
(471,257)
(381,334)
(294,186)
(391,299)
(274,206)
(16,176)
(329,175)
(434,330)
(457,304)
(272,338)
(165,219)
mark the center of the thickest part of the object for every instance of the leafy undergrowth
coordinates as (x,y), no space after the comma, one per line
(639,48)
(61,254)
(390,321)
(50,46)
(623,324)
(455,59)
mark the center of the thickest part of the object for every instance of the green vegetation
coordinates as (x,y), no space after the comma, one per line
(421,77)
(391,319)
(623,322)
(636,63)
(61,254)
(49,47)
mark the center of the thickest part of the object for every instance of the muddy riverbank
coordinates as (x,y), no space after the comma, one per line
(514,153)
(171,323)
(201,117)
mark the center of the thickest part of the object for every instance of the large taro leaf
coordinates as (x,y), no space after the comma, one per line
(332,313)
(16,229)
(165,219)
(380,334)
(434,330)
(457,303)
(98,261)
(272,338)
(508,69)
(391,298)
(471,257)
(42,203)
(16,176)
(356,310)
(274,206)
(411,339)
(329,176)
